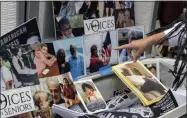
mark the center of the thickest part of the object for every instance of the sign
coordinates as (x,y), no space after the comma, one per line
(99,25)
(27,33)
(16,101)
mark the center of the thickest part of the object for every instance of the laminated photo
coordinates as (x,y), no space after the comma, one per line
(124,14)
(125,36)
(70,56)
(140,80)
(45,60)
(67,23)
(153,66)
(98,50)
(17,67)
(89,9)
(26,33)
(16,102)
(99,25)
(90,96)
(57,90)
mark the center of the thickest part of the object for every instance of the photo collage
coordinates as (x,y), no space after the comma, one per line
(52,70)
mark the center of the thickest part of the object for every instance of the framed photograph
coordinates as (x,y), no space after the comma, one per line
(17,67)
(125,36)
(98,50)
(45,60)
(90,96)
(124,14)
(153,66)
(70,57)
(140,80)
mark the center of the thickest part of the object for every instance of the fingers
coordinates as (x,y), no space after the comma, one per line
(126,46)
(129,53)
(138,53)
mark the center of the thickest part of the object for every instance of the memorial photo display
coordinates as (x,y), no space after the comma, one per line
(17,67)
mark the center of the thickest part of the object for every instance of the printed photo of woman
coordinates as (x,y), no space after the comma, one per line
(68,92)
(64,66)
(109,8)
(123,18)
(90,95)
(95,62)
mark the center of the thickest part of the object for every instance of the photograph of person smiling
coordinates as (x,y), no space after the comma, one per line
(66,28)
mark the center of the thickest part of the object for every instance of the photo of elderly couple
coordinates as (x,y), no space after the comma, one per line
(141,80)
(58,90)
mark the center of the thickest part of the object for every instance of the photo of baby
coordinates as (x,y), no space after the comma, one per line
(45,60)
(141,80)
(90,96)
(125,36)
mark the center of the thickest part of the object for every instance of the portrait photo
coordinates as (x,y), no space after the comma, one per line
(153,66)
(70,57)
(98,50)
(125,36)
(67,23)
(90,96)
(45,60)
(46,94)
(89,9)
(17,67)
(124,18)
(141,80)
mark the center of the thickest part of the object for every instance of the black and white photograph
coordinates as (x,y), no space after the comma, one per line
(89,9)
(125,36)
(17,67)
(90,96)
(26,33)
(98,50)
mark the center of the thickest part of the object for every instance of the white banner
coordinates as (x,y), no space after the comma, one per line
(16,101)
(99,25)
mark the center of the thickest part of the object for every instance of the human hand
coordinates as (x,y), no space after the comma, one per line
(136,45)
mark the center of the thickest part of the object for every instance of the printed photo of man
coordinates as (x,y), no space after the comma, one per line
(76,62)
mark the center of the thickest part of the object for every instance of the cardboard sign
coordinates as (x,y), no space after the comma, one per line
(16,101)
(99,25)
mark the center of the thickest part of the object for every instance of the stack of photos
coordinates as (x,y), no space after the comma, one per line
(90,96)
(140,80)
(67,23)
(153,66)
(98,50)
(54,90)
(17,67)
(70,56)
(125,36)
(45,60)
